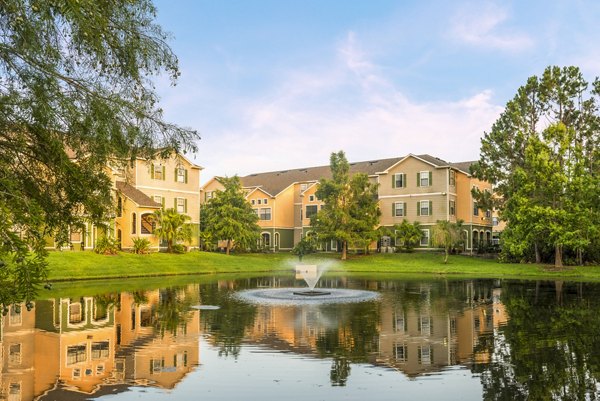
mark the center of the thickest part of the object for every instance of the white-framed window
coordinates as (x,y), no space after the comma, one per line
(399,180)
(265,201)
(76,354)
(99,369)
(424,178)
(14,392)
(399,209)
(276,240)
(14,354)
(401,352)
(333,245)
(16,315)
(181,175)
(495,221)
(181,205)
(425,354)
(488,214)
(400,325)
(424,208)
(208,195)
(475,209)
(311,198)
(100,350)
(425,237)
(253,202)
(77,373)
(259,201)
(425,325)
(159,199)
(452,207)
(265,239)
(265,213)
(157,365)
(256,211)
(303,187)
(158,172)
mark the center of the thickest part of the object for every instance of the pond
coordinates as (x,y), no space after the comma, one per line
(418,340)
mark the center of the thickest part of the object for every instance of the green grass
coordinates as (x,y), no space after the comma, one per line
(88,265)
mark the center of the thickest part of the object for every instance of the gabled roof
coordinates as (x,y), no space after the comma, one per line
(465,167)
(140,198)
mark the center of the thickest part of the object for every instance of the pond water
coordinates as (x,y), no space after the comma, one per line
(418,340)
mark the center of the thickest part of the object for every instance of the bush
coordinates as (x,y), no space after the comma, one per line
(178,248)
(141,246)
(107,246)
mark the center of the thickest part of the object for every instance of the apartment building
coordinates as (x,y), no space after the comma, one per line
(140,189)
(419,188)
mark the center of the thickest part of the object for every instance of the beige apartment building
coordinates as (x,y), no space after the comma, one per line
(140,189)
(418,188)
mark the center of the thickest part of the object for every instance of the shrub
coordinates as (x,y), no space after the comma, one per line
(141,246)
(178,248)
(107,246)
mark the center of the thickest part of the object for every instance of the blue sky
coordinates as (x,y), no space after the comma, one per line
(275,85)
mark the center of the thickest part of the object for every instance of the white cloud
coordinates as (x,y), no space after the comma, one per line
(349,104)
(482,25)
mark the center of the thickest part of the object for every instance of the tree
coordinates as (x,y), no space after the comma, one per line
(172,227)
(447,235)
(228,216)
(308,244)
(350,212)
(75,95)
(543,157)
(408,235)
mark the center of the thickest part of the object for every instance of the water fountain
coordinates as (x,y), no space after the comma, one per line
(305,296)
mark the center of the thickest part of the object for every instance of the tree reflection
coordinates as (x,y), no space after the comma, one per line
(173,311)
(550,348)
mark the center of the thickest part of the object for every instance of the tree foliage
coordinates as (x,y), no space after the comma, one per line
(543,156)
(407,235)
(75,94)
(350,212)
(172,227)
(228,216)
(448,235)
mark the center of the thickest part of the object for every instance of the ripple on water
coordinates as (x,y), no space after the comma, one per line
(286,296)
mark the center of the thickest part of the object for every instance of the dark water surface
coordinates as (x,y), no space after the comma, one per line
(420,340)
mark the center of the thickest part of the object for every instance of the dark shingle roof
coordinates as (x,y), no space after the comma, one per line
(136,195)
(274,182)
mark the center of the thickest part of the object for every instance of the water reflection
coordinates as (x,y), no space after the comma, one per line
(520,340)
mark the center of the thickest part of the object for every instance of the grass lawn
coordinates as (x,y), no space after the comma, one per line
(75,265)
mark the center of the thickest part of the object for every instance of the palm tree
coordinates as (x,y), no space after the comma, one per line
(447,235)
(172,227)
(408,235)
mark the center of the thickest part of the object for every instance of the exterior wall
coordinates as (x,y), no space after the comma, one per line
(125,224)
(307,195)
(465,208)
(283,214)
(261,200)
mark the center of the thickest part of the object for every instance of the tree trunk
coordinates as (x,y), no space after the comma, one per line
(344,250)
(446,256)
(538,257)
(228,247)
(169,246)
(558,263)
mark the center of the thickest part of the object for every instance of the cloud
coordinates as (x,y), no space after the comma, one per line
(349,104)
(483,25)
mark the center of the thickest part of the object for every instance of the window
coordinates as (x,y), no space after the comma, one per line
(77,373)
(303,187)
(424,208)
(311,198)
(256,211)
(16,316)
(452,178)
(208,195)
(181,175)
(425,325)
(157,172)
(399,209)
(99,369)
(276,240)
(494,221)
(399,180)
(266,239)
(159,199)
(100,350)
(14,392)
(333,245)
(75,313)
(76,354)
(265,213)
(425,355)
(181,205)
(253,202)
(156,365)
(488,214)
(14,354)
(425,238)
(119,207)
(311,210)
(452,208)
(424,178)
(259,201)
(475,209)
(265,201)
(399,322)
(401,352)
(147,223)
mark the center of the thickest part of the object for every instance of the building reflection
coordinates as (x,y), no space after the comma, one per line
(416,328)
(76,348)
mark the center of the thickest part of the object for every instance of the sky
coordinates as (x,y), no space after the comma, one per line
(277,84)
